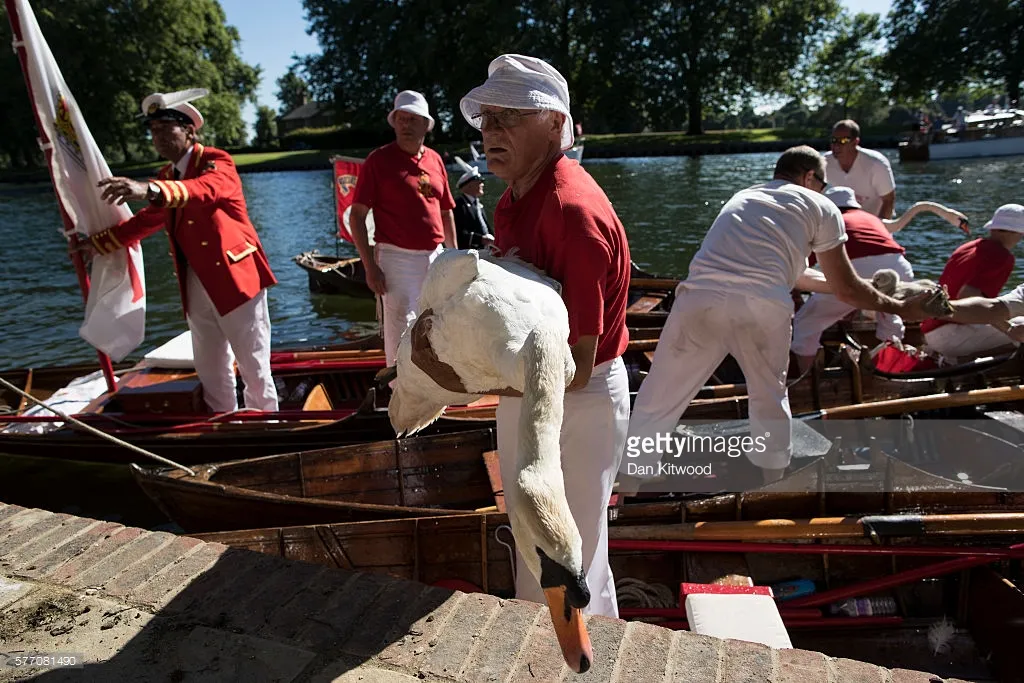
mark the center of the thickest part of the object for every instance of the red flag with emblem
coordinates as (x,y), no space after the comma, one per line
(346,172)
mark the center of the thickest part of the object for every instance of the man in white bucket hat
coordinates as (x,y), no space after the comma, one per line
(558,219)
(406,185)
(977,271)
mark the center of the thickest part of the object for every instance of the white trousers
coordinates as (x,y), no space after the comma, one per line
(703,328)
(592,441)
(954,341)
(404,273)
(218,341)
(823,310)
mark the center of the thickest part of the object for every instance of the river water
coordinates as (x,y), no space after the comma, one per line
(666,205)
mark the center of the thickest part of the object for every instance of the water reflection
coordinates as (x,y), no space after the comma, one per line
(666,204)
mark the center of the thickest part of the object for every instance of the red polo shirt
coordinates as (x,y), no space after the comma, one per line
(566,226)
(981,263)
(867,235)
(407,196)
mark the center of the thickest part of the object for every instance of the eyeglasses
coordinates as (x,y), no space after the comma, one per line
(505,118)
(840,141)
(820,180)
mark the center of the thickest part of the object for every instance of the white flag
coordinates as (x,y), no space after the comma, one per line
(115,313)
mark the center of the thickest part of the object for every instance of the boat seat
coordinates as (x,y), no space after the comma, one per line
(318,399)
(735,612)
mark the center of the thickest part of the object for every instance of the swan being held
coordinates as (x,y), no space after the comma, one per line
(494,324)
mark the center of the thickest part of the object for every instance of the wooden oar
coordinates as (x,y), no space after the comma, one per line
(639,345)
(353,354)
(827,528)
(653,283)
(917,403)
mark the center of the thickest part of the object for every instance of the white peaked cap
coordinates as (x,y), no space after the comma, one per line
(414,103)
(165,105)
(472,174)
(521,82)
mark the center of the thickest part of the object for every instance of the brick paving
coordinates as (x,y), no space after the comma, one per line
(143,605)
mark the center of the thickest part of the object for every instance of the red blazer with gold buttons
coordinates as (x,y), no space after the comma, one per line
(208,226)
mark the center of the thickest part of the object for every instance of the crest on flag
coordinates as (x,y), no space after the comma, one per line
(66,130)
(115,312)
(346,175)
(346,183)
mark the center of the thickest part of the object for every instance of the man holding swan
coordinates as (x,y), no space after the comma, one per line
(554,216)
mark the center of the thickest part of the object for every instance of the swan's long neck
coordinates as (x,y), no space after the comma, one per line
(918,208)
(540,421)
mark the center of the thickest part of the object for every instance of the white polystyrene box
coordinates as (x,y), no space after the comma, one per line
(753,618)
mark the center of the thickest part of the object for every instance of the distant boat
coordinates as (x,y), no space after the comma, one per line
(479,160)
(989,133)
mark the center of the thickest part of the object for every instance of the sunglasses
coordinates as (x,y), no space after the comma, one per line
(841,141)
(820,180)
(506,118)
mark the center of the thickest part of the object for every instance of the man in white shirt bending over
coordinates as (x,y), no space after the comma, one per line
(866,171)
(736,300)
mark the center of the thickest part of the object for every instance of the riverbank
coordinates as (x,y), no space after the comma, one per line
(595,147)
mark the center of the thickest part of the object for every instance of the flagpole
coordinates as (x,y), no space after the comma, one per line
(69,227)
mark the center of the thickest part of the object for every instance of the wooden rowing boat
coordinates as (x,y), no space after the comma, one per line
(318,486)
(472,553)
(428,475)
(326,400)
(838,541)
(334,275)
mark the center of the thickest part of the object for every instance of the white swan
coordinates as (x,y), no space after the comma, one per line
(951,216)
(498,323)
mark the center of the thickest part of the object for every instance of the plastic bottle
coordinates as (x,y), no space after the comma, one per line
(866,607)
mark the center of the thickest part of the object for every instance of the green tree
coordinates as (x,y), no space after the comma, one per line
(292,90)
(138,48)
(947,45)
(715,51)
(266,127)
(845,69)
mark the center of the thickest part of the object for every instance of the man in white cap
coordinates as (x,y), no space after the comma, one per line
(557,218)
(471,227)
(223,272)
(736,301)
(868,172)
(979,268)
(406,184)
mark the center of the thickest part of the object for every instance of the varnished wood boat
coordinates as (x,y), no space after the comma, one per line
(318,486)
(334,275)
(654,547)
(326,400)
(427,475)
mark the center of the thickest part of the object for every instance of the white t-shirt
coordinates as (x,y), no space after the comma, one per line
(1014,301)
(870,177)
(760,241)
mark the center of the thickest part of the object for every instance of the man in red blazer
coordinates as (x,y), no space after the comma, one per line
(223,272)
